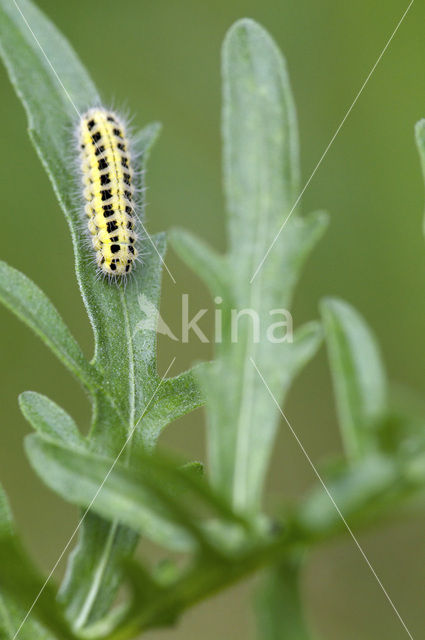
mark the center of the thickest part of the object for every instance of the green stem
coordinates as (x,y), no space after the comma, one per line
(200,582)
(279,607)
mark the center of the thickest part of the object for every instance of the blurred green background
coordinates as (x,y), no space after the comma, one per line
(161,61)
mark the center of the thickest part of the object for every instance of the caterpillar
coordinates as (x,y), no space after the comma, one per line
(108,190)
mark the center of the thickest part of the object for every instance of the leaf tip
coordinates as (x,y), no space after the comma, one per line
(320,219)
(244,27)
(333,303)
(155,129)
(24,398)
(243,23)
(420,130)
(314,329)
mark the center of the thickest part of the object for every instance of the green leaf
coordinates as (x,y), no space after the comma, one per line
(20,584)
(358,375)
(145,139)
(77,476)
(261,178)
(32,306)
(261,164)
(279,606)
(48,419)
(174,398)
(155,499)
(371,486)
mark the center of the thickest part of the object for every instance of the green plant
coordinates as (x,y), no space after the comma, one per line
(126,489)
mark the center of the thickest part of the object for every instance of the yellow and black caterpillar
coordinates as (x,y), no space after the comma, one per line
(108,190)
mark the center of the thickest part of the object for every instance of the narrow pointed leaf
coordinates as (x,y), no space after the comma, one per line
(49,419)
(358,375)
(32,306)
(261,164)
(132,497)
(145,139)
(268,244)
